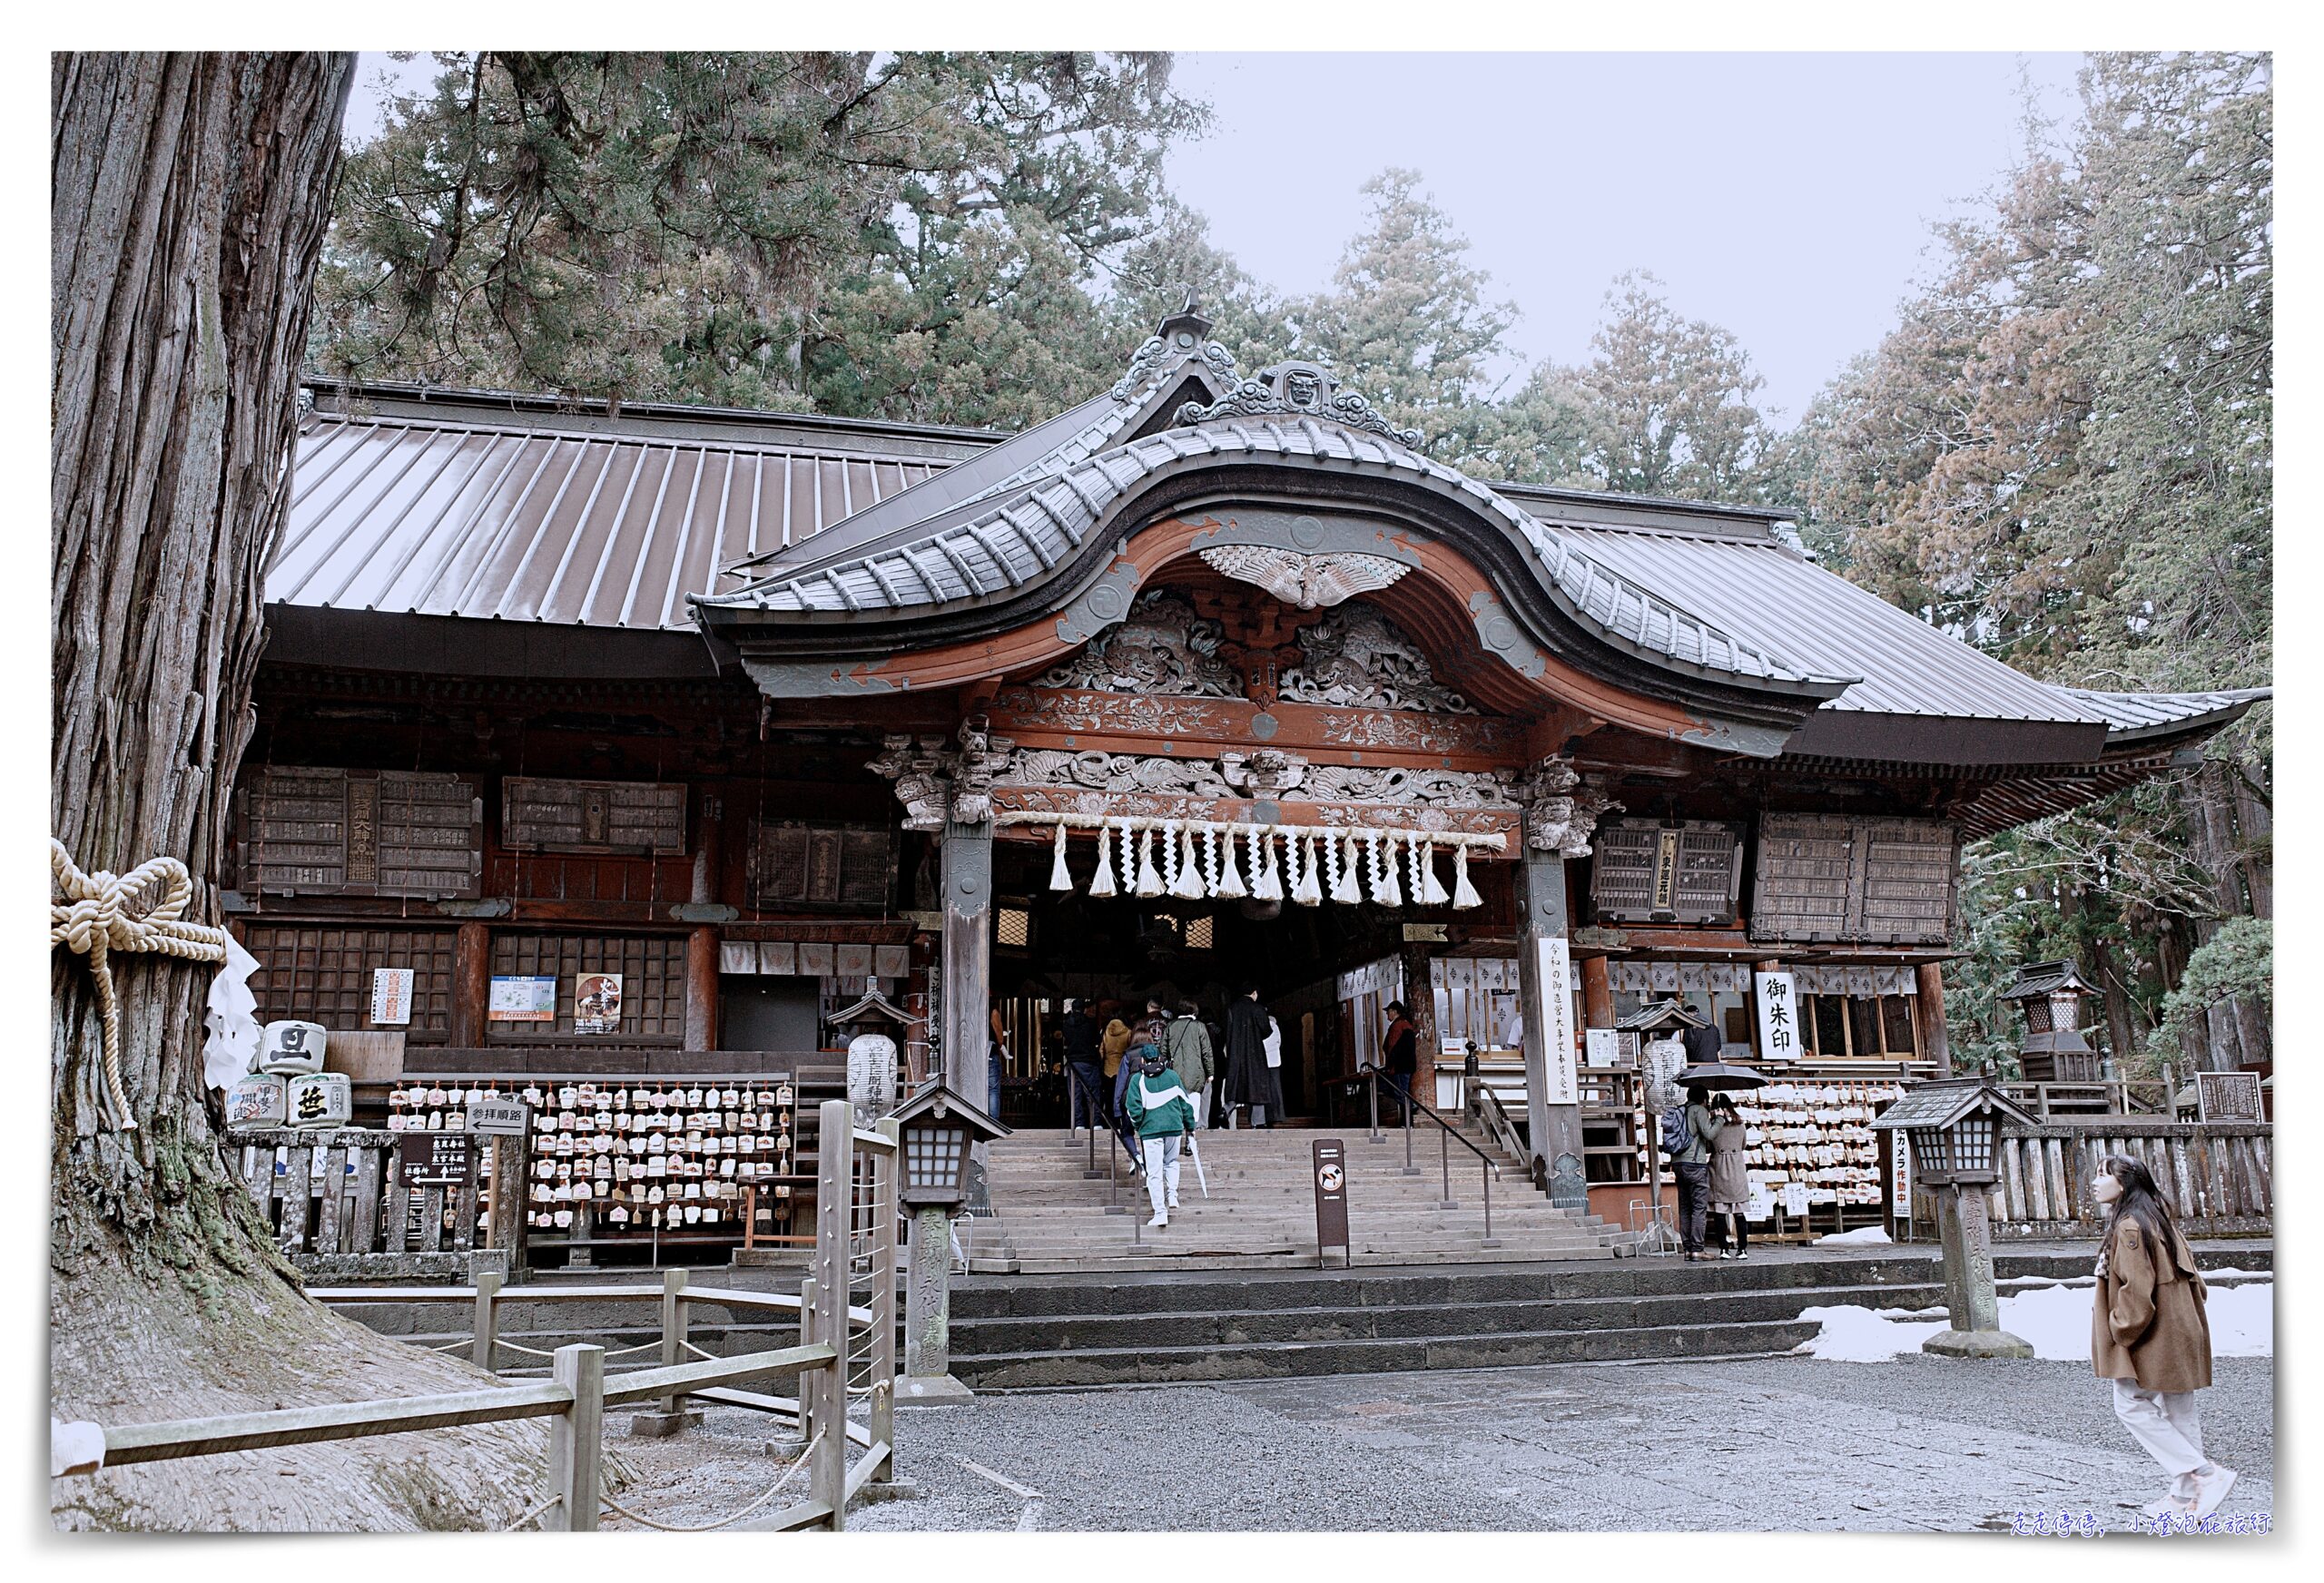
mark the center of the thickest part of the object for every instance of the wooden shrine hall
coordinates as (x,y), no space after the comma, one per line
(1212,680)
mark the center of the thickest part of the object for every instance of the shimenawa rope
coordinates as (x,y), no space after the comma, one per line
(94,920)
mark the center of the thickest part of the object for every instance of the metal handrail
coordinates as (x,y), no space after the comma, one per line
(1487,1166)
(1415,1104)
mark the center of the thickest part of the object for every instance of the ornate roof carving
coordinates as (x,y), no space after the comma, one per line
(1309,581)
(1295,388)
(1185,335)
(1160,647)
(1357,658)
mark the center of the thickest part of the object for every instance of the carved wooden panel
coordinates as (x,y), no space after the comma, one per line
(1873,880)
(1647,871)
(323,974)
(653,969)
(360,833)
(540,815)
(793,862)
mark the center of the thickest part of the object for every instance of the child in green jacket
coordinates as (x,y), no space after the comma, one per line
(1157,1106)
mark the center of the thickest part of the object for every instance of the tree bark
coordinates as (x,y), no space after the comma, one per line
(190,194)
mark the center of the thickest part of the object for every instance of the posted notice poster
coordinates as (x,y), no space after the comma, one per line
(1601,1046)
(1900,1174)
(596,1003)
(390,996)
(1557,1018)
(1778,1016)
(526,999)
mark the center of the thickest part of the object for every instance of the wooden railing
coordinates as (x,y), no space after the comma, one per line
(843,1348)
(2095,1098)
(2218,1177)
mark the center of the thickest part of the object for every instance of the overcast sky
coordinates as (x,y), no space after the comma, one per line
(1788,197)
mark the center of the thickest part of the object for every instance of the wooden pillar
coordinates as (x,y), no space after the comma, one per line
(1597,993)
(1419,994)
(964,996)
(701,988)
(1552,1103)
(471,984)
(1928,1017)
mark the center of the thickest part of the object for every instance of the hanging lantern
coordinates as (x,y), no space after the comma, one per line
(1305,890)
(1101,883)
(1060,876)
(1464,895)
(1187,886)
(1265,884)
(1434,893)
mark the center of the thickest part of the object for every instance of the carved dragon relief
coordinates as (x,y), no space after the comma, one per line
(1561,813)
(935,782)
(1355,658)
(1265,775)
(1160,648)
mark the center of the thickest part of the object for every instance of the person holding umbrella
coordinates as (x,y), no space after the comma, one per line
(1702,1129)
(1731,1186)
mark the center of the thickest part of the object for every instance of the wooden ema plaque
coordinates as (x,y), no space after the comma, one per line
(607,818)
(1685,871)
(1886,880)
(361,833)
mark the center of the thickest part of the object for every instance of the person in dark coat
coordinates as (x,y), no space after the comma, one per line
(1250,1081)
(2148,1335)
(1088,1079)
(1702,1045)
(1400,1054)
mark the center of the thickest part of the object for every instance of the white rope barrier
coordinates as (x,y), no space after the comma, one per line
(94,920)
(535,1515)
(619,1510)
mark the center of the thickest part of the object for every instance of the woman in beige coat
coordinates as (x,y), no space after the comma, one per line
(2149,1335)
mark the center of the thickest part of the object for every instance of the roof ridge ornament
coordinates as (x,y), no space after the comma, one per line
(1296,387)
(1181,338)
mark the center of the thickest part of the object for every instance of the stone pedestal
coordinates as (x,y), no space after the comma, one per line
(1971,1302)
(928,1314)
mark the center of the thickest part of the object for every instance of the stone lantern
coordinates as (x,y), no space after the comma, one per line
(936,1129)
(1955,1128)
(2050,994)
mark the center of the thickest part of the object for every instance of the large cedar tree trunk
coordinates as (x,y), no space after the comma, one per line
(190,194)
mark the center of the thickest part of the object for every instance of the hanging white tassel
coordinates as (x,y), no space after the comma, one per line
(1101,883)
(1346,885)
(1149,877)
(1229,883)
(1187,886)
(1385,889)
(1266,886)
(1304,890)
(1060,876)
(1436,895)
(1464,895)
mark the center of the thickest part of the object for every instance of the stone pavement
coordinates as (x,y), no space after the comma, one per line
(1779,1444)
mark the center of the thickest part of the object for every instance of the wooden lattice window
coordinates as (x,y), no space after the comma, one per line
(653,969)
(323,832)
(828,865)
(319,973)
(1684,871)
(1886,882)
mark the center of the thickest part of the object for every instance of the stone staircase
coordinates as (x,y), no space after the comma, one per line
(1261,1208)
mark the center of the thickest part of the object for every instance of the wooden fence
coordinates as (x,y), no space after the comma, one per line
(2218,1177)
(843,1350)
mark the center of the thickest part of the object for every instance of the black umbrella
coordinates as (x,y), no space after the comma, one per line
(1719,1075)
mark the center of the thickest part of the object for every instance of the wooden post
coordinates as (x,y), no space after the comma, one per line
(1419,993)
(1597,993)
(965,996)
(1928,1017)
(1553,1132)
(576,1440)
(488,1318)
(471,984)
(887,1180)
(701,988)
(505,1227)
(807,1338)
(835,1208)
(672,1414)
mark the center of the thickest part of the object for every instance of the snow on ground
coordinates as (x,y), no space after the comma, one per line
(2052,1316)
(1863,1233)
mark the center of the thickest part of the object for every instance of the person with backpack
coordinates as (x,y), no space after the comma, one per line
(1156,1104)
(2149,1335)
(1187,1043)
(1688,1134)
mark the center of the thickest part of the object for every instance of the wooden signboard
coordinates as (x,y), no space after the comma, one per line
(2227,1097)
(610,817)
(830,865)
(360,833)
(1647,871)
(1879,881)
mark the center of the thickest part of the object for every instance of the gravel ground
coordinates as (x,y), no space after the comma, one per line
(1780,1444)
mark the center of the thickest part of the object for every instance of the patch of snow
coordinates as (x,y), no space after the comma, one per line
(1863,1233)
(2054,1319)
